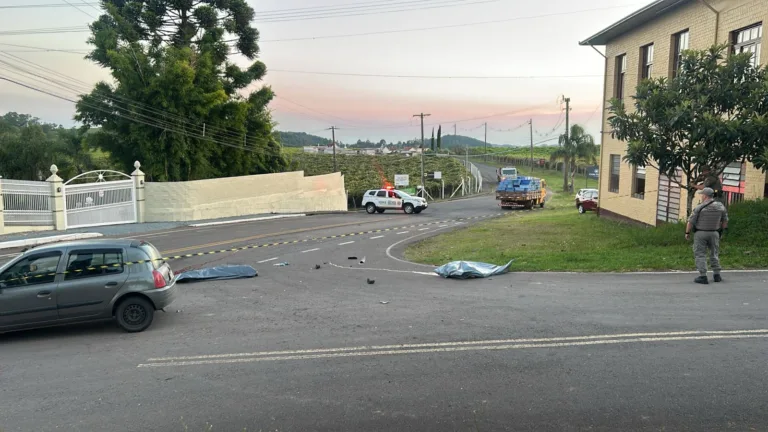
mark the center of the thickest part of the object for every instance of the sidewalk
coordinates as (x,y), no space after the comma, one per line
(124,229)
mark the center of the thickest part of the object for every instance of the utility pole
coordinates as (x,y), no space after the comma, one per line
(567,143)
(530,123)
(422,115)
(333,143)
(485,141)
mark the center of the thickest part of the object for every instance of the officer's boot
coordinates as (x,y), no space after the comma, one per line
(702,280)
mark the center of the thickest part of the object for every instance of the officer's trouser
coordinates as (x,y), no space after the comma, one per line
(703,240)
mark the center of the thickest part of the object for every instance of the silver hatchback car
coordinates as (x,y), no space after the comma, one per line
(88,280)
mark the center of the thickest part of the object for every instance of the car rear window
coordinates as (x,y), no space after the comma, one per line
(153,254)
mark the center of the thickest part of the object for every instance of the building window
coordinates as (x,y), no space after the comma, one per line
(680,43)
(646,70)
(615,169)
(749,40)
(621,73)
(638,182)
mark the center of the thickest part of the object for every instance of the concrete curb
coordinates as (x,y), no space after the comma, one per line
(247,220)
(50,239)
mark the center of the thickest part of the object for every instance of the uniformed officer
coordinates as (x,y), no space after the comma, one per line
(711,181)
(708,220)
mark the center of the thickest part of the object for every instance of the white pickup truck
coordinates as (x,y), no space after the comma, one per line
(380,200)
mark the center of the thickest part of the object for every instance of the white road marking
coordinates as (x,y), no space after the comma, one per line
(346,243)
(424,229)
(377,237)
(266,260)
(310,250)
(491,345)
(443,226)
(403,232)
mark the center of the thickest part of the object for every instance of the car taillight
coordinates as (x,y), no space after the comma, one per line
(159,279)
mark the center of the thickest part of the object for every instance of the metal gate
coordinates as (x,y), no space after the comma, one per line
(99,198)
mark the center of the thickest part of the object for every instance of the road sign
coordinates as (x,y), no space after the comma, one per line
(438,175)
(401,179)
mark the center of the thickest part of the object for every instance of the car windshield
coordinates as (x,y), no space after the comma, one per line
(403,194)
(509,171)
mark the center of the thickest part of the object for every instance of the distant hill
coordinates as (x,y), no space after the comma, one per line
(450,141)
(301,139)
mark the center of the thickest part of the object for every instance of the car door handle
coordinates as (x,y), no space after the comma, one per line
(43,294)
(111,284)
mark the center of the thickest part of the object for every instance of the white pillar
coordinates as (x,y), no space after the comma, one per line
(57,203)
(138,182)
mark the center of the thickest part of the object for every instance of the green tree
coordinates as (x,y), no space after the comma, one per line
(177,102)
(578,145)
(439,137)
(432,140)
(713,113)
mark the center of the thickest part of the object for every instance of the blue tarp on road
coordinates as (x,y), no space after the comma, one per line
(218,273)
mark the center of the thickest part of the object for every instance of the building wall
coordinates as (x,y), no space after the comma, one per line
(701,23)
(240,196)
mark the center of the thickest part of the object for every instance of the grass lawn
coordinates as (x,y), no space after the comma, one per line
(563,240)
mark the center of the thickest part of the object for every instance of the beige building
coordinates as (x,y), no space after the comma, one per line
(649,43)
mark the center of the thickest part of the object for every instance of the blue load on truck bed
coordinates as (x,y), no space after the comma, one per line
(520,184)
(522,191)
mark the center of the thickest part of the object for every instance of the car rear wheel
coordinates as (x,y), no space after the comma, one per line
(370,208)
(379,211)
(581,209)
(135,314)
(408,208)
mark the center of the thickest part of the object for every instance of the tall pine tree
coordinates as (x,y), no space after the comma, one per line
(178,104)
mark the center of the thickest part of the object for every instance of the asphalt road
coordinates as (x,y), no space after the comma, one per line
(303,349)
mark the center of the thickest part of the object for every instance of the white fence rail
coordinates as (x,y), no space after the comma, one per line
(26,202)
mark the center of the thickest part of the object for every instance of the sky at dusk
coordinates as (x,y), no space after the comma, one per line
(529,47)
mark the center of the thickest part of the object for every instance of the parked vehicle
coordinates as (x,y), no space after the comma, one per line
(380,200)
(506,173)
(586,200)
(86,280)
(522,191)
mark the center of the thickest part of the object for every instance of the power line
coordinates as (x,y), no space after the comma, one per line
(448,26)
(185,133)
(372,75)
(308,17)
(78,8)
(116,100)
(43,6)
(366,6)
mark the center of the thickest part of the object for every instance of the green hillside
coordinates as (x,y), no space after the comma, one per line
(300,139)
(369,172)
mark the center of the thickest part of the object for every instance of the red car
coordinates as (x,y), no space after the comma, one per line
(586,200)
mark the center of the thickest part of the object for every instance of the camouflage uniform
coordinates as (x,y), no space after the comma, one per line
(707,219)
(714,183)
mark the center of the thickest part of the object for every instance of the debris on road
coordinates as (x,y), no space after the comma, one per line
(370,281)
(218,273)
(470,270)
(282,264)
(352,258)
(362,261)
(317,266)
(384,302)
